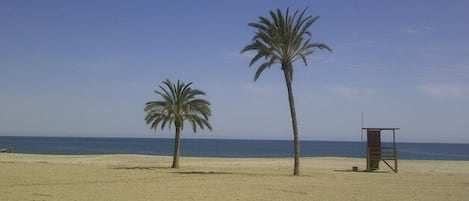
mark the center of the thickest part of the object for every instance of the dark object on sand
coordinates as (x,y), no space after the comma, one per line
(9,150)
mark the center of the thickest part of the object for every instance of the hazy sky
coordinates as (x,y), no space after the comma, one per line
(87,68)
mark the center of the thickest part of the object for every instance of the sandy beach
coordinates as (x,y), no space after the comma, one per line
(141,177)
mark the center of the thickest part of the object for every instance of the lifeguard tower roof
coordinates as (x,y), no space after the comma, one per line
(380,129)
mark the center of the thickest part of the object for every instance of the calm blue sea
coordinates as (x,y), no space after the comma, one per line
(224,148)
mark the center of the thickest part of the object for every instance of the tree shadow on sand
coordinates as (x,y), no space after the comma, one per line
(365,171)
(138,168)
(203,173)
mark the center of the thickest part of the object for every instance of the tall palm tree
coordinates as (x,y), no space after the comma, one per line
(284,39)
(179,104)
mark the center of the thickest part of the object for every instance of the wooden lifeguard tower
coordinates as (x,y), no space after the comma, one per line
(376,153)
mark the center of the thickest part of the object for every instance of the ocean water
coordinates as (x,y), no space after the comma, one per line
(224,148)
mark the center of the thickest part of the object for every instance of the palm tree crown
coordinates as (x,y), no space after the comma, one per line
(179,103)
(284,40)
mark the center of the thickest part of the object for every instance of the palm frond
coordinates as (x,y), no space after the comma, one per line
(263,66)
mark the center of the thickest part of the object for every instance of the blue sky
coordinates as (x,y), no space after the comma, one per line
(86,68)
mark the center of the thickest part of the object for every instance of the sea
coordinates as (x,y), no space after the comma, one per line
(224,148)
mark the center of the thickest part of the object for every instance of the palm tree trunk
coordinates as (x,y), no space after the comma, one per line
(177,141)
(287,72)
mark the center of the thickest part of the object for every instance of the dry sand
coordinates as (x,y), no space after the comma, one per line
(140,177)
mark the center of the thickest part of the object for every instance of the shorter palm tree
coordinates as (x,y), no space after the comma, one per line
(179,104)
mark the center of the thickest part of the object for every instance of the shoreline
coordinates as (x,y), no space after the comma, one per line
(215,157)
(149,177)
